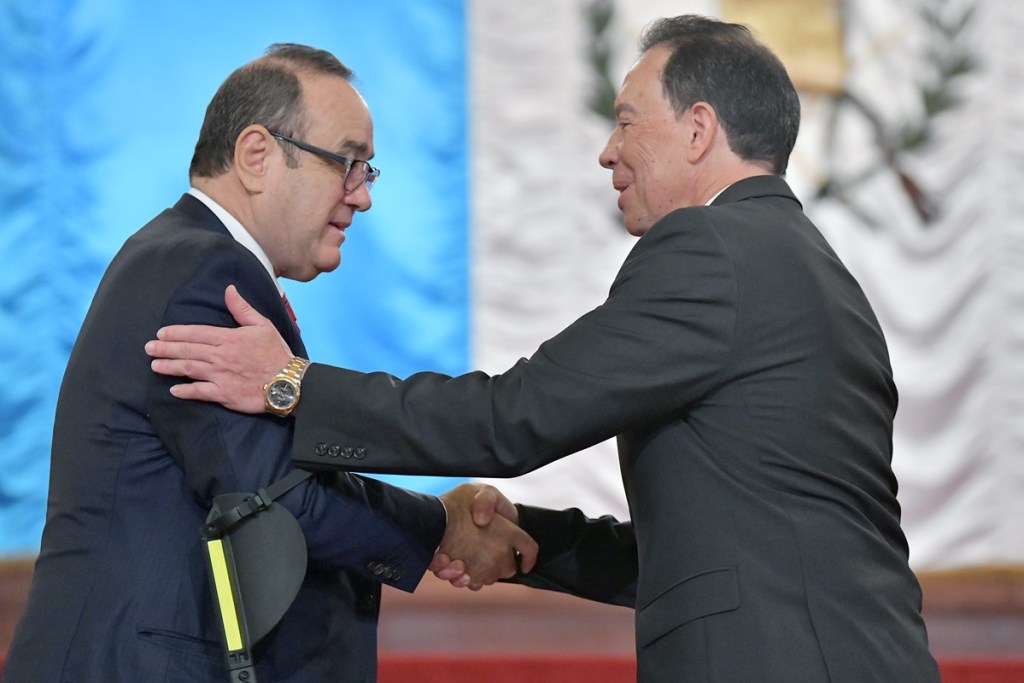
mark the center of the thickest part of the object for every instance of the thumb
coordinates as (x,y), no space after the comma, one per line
(438,562)
(485,502)
(244,314)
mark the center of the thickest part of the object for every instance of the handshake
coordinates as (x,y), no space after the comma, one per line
(482,542)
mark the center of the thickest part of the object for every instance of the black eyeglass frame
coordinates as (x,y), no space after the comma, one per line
(370,174)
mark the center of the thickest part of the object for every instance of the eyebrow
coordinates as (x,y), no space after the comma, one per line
(357,149)
(624,107)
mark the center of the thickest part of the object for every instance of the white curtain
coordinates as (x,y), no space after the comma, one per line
(949,291)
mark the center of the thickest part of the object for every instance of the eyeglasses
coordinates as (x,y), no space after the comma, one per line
(357,171)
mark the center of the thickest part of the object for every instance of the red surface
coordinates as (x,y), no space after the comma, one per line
(506,669)
(587,669)
(982,670)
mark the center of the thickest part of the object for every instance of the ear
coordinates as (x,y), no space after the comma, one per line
(254,150)
(704,131)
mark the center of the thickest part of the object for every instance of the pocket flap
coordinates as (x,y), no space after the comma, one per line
(710,592)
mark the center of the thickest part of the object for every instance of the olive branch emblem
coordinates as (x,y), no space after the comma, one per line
(599,15)
(950,61)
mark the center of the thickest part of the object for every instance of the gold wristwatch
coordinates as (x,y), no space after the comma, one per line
(281,393)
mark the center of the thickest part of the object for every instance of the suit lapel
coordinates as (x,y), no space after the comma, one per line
(201,217)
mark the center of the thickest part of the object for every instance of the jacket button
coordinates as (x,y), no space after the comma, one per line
(359,453)
(320,449)
(346,452)
(334,451)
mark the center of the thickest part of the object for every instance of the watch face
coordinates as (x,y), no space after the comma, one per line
(281,394)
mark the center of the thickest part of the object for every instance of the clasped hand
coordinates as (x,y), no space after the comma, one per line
(483,541)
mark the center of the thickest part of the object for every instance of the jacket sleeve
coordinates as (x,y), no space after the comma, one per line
(349,522)
(656,345)
(590,558)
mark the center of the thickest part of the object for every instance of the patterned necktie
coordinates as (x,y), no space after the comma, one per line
(291,313)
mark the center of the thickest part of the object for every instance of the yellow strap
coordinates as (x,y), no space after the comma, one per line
(222,586)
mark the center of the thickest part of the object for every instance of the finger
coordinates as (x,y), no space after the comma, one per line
(450,575)
(243,313)
(156,349)
(181,352)
(451,571)
(183,367)
(439,562)
(483,506)
(527,550)
(506,508)
(458,566)
(174,368)
(197,334)
(197,391)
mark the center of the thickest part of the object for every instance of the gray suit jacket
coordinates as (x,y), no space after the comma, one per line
(748,383)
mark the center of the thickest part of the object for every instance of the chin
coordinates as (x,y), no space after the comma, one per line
(327,267)
(636,230)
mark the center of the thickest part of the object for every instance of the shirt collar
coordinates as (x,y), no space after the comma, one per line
(238,231)
(710,201)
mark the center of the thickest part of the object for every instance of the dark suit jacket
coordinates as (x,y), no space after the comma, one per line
(748,383)
(120,591)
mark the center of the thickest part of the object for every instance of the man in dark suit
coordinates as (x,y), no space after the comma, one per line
(120,590)
(737,362)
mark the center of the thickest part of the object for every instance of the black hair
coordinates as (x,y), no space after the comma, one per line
(724,65)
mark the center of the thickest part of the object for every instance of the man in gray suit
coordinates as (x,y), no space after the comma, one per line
(736,360)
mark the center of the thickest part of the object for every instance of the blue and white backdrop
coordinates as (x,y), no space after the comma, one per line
(493,226)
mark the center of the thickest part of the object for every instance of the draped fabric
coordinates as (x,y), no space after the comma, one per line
(50,264)
(101,104)
(949,291)
(548,236)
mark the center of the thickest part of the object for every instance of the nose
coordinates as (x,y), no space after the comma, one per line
(610,154)
(359,199)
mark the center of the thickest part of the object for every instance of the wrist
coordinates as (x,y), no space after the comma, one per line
(282,393)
